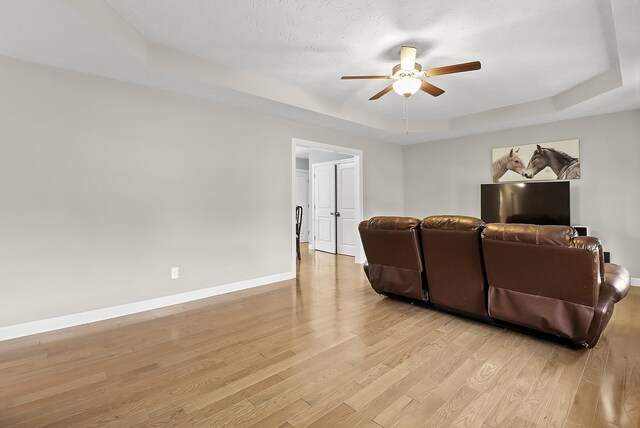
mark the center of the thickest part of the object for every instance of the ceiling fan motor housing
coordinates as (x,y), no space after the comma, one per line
(397,71)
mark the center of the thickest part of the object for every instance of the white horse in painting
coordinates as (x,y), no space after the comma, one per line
(509,162)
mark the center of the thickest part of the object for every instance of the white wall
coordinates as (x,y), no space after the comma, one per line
(444,177)
(106,185)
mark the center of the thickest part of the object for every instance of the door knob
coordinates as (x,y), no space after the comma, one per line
(337,214)
(331,214)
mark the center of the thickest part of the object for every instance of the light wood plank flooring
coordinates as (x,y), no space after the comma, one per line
(323,350)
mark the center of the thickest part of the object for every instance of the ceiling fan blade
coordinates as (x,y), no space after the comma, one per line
(431,89)
(457,68)
(363,77)
(381,93)
(407,57)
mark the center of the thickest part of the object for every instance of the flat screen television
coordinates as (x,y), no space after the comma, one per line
(531,203)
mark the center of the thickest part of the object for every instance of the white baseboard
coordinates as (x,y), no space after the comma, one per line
(635,282)
(72,320)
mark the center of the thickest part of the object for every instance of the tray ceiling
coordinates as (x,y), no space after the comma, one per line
(542,61)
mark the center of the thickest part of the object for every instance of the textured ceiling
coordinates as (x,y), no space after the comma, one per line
(541,61)
(312,43)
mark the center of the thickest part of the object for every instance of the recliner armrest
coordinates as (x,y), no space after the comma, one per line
(617,278)
(592,244)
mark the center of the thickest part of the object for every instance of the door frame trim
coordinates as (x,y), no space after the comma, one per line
(359,185)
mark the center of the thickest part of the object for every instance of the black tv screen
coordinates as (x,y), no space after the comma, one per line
(530,203)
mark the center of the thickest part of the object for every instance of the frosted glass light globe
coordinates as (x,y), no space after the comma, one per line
(407,86)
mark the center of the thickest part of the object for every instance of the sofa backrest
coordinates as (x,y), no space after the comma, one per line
(392,247)
(452,253)
(542,276)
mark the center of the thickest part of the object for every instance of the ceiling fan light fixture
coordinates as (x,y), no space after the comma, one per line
(408,74)
(407,86)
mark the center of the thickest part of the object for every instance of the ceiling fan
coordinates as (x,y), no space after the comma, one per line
(408,75)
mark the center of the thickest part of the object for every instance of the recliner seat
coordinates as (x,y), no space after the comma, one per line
(549,279)
(453,261)
(392,247)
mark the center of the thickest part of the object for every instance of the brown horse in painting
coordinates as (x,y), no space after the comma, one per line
(509,162)
(564,166)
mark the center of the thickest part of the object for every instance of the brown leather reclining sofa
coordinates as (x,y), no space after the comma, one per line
(542,279)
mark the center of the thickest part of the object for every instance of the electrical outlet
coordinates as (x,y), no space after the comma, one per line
(175,272)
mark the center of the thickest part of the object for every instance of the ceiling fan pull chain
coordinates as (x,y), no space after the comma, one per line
(406,115)
(404,109)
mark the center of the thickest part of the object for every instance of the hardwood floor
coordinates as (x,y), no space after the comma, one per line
(322,350)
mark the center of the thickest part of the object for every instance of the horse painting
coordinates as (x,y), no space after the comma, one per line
(509,162)
(563,165)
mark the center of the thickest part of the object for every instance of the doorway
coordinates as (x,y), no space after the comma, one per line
(347,172)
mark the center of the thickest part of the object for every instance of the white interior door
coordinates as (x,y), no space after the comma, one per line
(346,209)
(324,184)
(302,199)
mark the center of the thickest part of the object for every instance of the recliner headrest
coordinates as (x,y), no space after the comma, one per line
(452,222)
(389,223)
(530,234)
